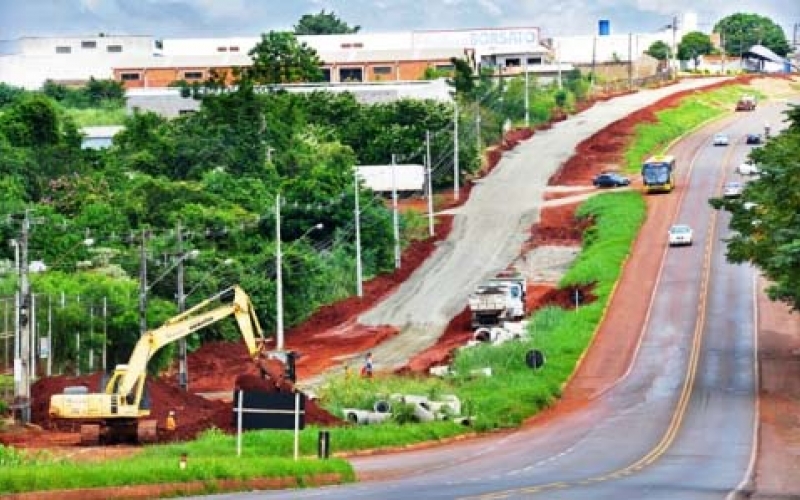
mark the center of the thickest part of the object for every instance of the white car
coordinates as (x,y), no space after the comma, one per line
(732,190)
(748,168)
(721,139)
(680,234)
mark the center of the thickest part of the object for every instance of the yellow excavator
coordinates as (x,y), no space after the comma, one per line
(120,412)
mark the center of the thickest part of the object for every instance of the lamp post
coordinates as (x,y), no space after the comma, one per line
(279,274)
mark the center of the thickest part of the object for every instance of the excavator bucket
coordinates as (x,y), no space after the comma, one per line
(146,431)
(90,434)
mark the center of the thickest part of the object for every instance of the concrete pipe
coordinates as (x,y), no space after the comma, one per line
(382,406)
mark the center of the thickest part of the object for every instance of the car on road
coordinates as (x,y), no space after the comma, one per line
(610,179)
(721,139)
(680,234)
(753,139)
(732,189)
(748,168)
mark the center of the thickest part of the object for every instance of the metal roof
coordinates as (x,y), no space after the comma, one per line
(761,52)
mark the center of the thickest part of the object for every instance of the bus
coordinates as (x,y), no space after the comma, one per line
(658,174)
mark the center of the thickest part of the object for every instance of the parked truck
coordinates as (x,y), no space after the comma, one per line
(498,300)
(746,103)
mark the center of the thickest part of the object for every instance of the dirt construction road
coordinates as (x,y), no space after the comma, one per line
(490,229)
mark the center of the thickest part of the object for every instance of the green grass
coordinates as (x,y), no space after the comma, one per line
(512,394)
(211,457)
(695,110)
(96,117)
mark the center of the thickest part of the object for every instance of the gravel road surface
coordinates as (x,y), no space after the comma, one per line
(490,228)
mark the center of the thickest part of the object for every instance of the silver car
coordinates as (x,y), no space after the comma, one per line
(680,234)
(721,139)
(732,190)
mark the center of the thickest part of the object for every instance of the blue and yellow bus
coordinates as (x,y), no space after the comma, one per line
(658,174)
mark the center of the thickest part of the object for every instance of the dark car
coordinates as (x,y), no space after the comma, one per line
(753,139)
(611,179)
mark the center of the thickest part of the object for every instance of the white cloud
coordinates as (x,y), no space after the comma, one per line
(176,18)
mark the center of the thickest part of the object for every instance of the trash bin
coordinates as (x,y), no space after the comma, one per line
(324,444)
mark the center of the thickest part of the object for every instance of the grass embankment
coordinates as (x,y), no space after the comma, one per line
(513,392)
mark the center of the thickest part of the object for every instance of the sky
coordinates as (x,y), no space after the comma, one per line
(227,18)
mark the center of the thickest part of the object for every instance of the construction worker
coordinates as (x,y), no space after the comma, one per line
(366,370)
(171,421)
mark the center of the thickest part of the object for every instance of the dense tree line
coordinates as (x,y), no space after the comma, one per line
(766,219)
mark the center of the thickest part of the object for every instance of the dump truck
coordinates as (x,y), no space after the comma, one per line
(746,103)
(120,412)
(498,300)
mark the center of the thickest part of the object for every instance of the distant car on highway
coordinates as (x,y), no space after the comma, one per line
(721,139)
(748,168)
(610,179)
(680,234)
(732,190)
(753,139)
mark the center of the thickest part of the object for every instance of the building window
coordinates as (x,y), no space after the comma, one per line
(326,74)
(114,48)
(351,75)
(346,45)
(193,75)
(185,111)
(130,77)
(63,50)
(88,44)
(382,70)
(534,60)
(445,67)
(233,49)
(358,45)
(512,63)
(222,49)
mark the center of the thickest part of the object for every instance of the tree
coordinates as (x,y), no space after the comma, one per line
(323,23)
(463,76)
(693,45)
(766,219)
(659,50)
(280,58)
(741,31)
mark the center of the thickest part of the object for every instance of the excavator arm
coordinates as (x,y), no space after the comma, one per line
(190,321)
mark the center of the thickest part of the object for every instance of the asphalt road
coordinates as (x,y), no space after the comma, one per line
(679,424)
(490,228)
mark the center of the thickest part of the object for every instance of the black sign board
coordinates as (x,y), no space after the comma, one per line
(262,410)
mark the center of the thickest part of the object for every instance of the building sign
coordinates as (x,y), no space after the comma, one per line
(507,38)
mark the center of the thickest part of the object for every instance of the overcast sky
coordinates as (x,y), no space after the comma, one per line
(221,18)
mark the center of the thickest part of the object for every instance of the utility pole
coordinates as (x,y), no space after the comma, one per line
(278,276)
(630,61)
(183,374)
(395,216)
(527,91)
(594,62)
(22,374)
(357,211)
(429,186)
(143,284)
(478,128)
(455,148)
(674,47)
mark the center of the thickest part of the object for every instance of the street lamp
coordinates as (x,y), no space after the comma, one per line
(279,274)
